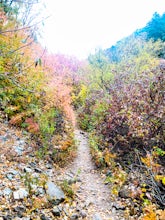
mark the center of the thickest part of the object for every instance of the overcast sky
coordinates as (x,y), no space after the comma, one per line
(77,27)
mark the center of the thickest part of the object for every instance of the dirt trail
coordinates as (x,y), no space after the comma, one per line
(93,195)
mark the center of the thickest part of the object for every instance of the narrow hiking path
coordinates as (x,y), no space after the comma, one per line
(24,195)
(93,196)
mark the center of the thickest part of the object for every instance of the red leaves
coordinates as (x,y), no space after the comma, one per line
(32,126)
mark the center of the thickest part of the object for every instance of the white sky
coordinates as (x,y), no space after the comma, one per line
(78,27)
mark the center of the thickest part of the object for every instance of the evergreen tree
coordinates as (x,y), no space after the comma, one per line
(155,28)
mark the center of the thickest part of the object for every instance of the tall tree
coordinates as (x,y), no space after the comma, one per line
(156,27)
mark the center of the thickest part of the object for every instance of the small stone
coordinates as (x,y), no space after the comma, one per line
(97,217)
(9,176)
(21,142)
(55,194)
(49,166)
(83,214)
(40,191)
(7,191)
(56,211)
(38,170)
(13,172)
(18,150)
(7,217)
(44,217)
(20,210)
(32,164)
(28,170)
(74,216)
(20,194)
(88,203)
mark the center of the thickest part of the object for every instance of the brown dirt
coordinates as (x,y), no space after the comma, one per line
(92,194)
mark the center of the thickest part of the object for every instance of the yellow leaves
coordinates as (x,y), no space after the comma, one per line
(163,180)
(160,178)
(150,213)
(11,109)
(114,191)
(150,216)
(28,99)
(108,156)
(143,190)
(149,162)
(117,179)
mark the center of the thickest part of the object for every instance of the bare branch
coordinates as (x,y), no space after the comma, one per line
(23,28)
(13,51)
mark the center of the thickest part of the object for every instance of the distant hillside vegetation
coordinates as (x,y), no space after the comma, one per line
(153,31)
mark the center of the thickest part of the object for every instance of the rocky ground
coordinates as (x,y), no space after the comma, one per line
(32,188)
(35,189)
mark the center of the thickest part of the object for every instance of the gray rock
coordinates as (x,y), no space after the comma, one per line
(44,217)
(55,194)
(25,218)
(32,164)
(83,214)
(56,211)
(37,170)
(7,191)
(88,202)
(13,172)
(49,166)
(40,191)
(20,194)
(97,217)
(19,150)
(28,170)
(74,216)
(20,210)
(9,176)
(21,142)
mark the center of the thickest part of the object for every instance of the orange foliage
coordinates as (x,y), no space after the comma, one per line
(17,119)
(65,145)
(59,87)
(152,214)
